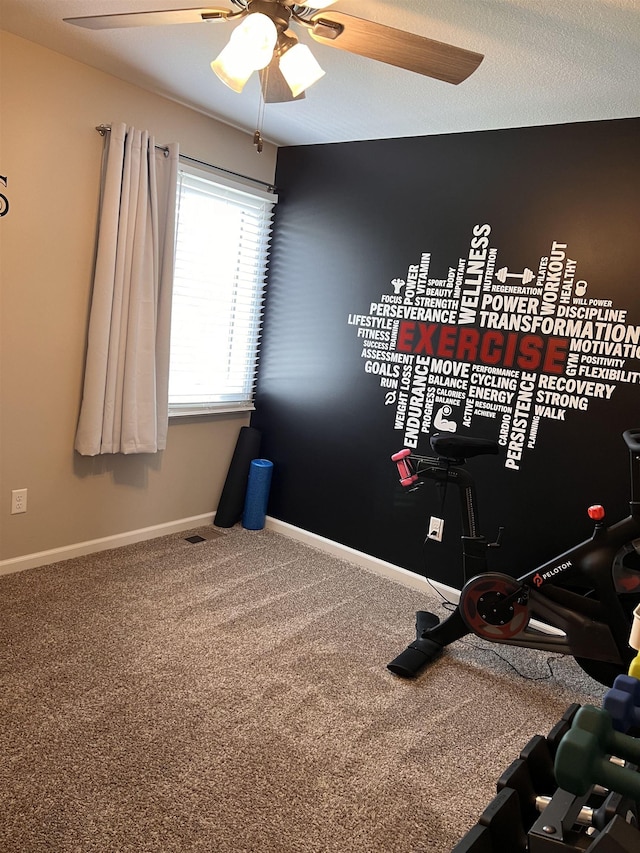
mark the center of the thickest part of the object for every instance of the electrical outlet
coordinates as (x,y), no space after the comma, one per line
(436,528)
(18,501)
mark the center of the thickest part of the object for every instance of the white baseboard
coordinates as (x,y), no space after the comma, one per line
(91,546)
(366,561)
(344,552)
(79,549)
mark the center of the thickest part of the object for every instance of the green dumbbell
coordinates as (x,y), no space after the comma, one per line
(582,756)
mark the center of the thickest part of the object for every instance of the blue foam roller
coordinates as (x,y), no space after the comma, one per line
(255,502)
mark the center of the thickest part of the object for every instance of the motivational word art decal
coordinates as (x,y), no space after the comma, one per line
(514,346)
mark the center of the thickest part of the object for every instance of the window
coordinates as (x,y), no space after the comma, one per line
(223,232)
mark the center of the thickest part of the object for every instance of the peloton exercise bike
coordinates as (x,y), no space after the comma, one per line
(588,593)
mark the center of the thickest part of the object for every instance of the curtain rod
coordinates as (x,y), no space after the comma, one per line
(103,129)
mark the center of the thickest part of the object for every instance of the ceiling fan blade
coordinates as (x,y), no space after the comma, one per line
(150,19)
(275,89)
(395,47)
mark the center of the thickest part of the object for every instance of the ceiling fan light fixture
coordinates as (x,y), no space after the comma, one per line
(300,68)
(256,37)
(250,48)
(231,69)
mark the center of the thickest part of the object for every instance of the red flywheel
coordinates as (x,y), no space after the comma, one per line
(494,606)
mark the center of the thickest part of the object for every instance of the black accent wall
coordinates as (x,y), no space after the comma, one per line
(424,281)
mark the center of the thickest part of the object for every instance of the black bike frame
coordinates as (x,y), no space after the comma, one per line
(595,627)
(595,624)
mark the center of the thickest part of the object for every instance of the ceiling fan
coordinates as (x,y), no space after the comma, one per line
(264,42)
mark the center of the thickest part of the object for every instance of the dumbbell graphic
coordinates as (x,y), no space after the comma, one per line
(407,475)
(622,703)
(527,275)
(582,759)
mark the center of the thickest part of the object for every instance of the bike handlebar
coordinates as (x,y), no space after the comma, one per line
(461,446)
(450,450)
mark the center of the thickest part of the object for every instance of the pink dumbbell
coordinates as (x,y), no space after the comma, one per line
(407,475)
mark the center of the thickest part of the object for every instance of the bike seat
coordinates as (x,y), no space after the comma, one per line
(460,447)
(632,439)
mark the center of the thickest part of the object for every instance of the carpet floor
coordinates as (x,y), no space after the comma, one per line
(232,696)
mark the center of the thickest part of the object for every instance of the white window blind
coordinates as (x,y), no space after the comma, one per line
(222,245)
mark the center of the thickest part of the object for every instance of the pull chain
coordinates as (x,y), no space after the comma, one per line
(257,136)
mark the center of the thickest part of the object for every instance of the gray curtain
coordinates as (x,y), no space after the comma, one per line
(125,398)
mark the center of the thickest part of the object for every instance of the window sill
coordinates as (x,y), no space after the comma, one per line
(213,410)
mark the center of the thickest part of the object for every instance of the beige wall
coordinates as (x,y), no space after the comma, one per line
(50,153)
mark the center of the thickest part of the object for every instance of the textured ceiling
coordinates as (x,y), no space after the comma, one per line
(546,62)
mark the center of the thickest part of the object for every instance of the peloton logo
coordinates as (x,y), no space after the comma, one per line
(539,579)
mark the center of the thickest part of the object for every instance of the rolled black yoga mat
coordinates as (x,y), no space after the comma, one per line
(231,504)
